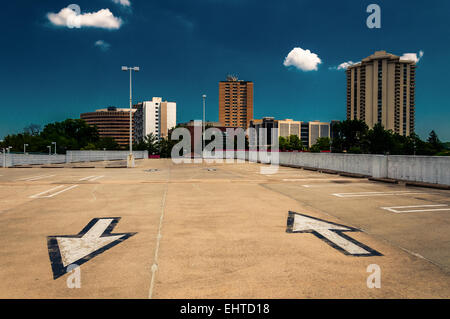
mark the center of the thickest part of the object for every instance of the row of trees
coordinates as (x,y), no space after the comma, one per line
(155,146)
(354,136)
(351,136)
(71,134)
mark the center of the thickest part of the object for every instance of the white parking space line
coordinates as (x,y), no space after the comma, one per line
(346,184)
(34,178)
(312,179)
(60,188)
(91,178)
(424,208)
(368,194)
(86,178)
(96,178)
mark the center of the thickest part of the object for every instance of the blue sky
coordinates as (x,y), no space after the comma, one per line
(51,72)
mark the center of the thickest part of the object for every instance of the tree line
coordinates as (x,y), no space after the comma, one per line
(354,136)
(71,134)
(350,136)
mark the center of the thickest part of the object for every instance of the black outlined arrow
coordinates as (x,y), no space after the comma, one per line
(94,239)
(331,233)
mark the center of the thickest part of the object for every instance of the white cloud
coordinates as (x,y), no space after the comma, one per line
(412,56)
(104,46)
(343,65)
(71,17)
(125,3)
(303,60)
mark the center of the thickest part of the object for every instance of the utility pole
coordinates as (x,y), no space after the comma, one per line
(130,160)
(203,124)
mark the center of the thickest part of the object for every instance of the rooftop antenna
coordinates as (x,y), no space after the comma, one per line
(232,78)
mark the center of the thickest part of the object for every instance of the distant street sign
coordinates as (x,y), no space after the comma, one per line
(331,233)
(94,239)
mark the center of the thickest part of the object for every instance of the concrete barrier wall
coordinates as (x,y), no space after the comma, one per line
(8,160)
(93,156)
(429,169)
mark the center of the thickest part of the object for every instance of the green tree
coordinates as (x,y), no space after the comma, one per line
(349,135)
(32,129)
(434,142)
(322,144)
(379,140)
(70,134)
(89,147)
(295,143)
(290,143)
(107,143)
(149,143)
(283,143)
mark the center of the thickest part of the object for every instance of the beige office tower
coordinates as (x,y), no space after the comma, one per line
(235,102)
(289,127)
(381,89)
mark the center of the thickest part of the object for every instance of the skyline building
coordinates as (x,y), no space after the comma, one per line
(155,116)
(308,132)
(381,89)
(111,122)
(235,102)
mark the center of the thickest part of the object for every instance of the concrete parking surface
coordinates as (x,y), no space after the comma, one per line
(218,231)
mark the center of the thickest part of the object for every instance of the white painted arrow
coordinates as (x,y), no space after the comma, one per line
(329,231)
(73,249)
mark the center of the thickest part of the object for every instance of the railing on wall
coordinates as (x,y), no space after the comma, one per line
(9,159)
(428,169)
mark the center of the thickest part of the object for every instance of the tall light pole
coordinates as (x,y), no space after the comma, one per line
(55,146)
(25,148)
(203,124)
(130,161)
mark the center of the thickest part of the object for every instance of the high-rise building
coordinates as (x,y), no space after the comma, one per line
(317,129)
(308,132)
(381,89)
(111,122)
(289,127)
(155,116)
(235,102)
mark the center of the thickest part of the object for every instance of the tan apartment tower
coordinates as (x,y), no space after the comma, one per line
(381,89)
(235,102)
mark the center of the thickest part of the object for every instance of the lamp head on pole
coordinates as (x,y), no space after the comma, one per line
(124,68)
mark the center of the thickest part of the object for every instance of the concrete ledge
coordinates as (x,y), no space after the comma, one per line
(19,166)
(328,171)
(52,166)
(384,180)
(306,168)
(428,185)
(290,165)
(83,166)
(354,175)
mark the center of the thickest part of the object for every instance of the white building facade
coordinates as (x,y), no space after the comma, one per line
(156,117)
